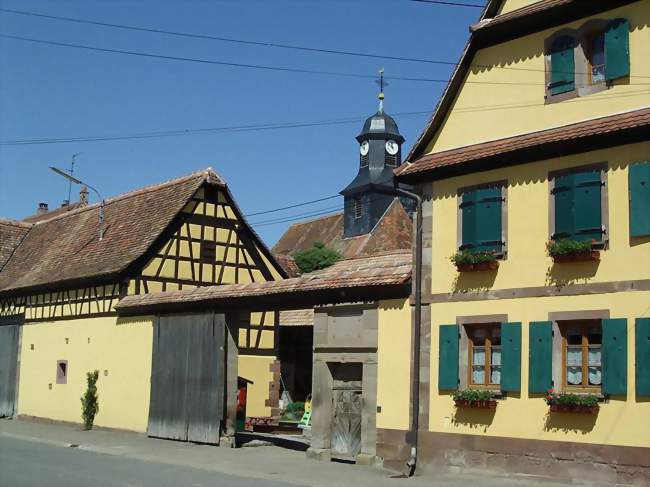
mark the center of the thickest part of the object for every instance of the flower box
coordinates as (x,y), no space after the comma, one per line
(582,256)
(468,403)
(479,266)
(574,408)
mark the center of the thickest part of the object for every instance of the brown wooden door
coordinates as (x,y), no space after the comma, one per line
(346,423)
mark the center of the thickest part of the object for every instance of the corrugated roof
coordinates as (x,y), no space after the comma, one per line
(391,270)
(66,247)
(597,127)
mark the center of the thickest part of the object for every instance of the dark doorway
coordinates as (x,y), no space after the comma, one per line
(296,360)
(9,339)
(187,378)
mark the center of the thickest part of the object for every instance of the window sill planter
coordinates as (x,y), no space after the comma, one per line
(574,408)
(466,403)
(582,256)
(478,267)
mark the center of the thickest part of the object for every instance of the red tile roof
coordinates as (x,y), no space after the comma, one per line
(288,264)
(598,127)
(66,248)
(393,232)
(11,234)
(337,283)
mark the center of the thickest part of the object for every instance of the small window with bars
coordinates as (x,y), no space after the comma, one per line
(391,160)
(364,160)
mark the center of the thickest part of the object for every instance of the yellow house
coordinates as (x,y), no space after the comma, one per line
(59,284)
(535,171)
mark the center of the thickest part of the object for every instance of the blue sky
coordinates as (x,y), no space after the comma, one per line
(50,91)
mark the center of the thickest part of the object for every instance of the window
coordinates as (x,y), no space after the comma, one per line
(481,219)
(578,204)
(587,60)
(596,58)
(484,354)
(364,160)
(62,372)
(208,251)
(581,355)
(357,207)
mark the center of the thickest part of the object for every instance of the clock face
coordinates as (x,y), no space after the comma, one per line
(391,147)
(364,148)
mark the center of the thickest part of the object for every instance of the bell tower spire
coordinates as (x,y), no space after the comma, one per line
(382,84)
(370,193)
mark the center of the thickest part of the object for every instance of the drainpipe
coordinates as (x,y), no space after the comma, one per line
(415,387)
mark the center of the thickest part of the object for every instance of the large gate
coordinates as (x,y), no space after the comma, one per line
(9,338)
(187,378)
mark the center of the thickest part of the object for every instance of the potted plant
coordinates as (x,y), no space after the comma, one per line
(467,261)
(567,402)
(567,250)
(472,398)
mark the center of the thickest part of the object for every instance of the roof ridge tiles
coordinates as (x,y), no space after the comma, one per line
(205,174)
(15,223)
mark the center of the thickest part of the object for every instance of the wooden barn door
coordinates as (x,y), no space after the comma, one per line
(9,337)
(187,378)
(346,420)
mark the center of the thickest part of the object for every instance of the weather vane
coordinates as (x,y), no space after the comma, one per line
(382,84)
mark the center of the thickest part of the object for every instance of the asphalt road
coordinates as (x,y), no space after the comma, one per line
(32,464)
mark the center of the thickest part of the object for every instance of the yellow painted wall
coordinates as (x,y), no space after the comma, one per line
(120,347)
(621,421)
(256,368)
(483,112)
(510,5)
(528,197)
(394,364)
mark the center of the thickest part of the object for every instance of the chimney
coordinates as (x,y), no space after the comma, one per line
(42,209)
(65,203)
(83,195)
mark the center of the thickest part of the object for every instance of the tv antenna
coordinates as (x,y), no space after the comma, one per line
(71,171)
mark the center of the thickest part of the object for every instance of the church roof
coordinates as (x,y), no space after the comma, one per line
(380,123)
(392,232)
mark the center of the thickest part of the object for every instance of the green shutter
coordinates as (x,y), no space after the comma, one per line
(642,356)
(562,65)
(639,182)
(617,49)
(614,356)
(488,219)
(448,366)
(511,357)
(563,195)
(587,215)
(468,220)
(540,356)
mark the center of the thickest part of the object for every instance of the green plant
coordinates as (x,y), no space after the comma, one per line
(317,257)
(569,399)
(567,246)
(463,257)
(472,395)
(90,400)
(294,411)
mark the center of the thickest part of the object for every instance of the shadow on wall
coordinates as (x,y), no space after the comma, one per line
(474,282)
(560,275)
(474,418)
(570,422)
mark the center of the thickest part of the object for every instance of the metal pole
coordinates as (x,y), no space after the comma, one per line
(415,386)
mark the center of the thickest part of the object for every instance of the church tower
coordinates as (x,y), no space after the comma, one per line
(371,192)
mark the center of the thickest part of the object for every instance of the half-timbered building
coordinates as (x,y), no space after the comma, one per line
(60,282)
